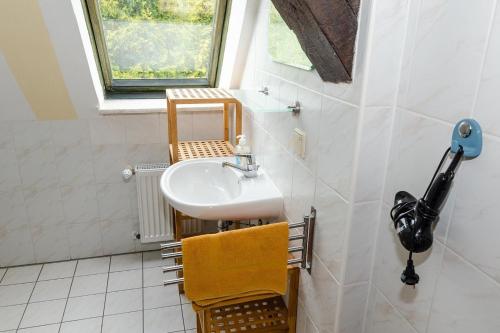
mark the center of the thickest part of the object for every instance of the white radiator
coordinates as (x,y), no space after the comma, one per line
(154,211)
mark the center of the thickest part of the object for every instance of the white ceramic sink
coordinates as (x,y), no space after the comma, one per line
(202,188)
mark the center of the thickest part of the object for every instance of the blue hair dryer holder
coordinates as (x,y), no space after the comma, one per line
(468,134)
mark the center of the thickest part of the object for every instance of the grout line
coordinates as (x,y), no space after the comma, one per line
(472,265)
(484,56)
(44,325)
(142,292)
(82,258)
(67,298)
(27,304)
(435,119)
(434,287)
(407,50)
(396,310)
(105,295)
(182,315)
(74,320)
(15,284)
(357,148)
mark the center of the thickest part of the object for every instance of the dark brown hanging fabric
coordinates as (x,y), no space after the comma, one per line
(326,30)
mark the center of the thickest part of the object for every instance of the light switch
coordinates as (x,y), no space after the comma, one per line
(299,140)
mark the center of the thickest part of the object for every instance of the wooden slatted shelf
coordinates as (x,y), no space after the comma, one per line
(208,148)
(201,149)
(265,315)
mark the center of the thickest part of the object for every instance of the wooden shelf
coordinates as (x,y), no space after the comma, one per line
(208,148)
(202,149)
(199,96)
(265,315)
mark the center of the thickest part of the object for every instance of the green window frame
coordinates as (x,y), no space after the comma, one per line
(131,86)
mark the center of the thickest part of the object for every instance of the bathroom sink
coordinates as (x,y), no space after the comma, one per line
(203,189)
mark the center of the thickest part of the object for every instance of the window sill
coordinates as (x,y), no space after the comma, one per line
(144,106)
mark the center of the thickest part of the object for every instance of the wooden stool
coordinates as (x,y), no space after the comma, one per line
(208,148)
(258,315)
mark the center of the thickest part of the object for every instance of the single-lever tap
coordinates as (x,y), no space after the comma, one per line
(250,171)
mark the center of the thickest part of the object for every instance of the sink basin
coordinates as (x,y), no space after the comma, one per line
(202,188)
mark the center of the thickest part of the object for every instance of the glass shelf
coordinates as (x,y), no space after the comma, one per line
(259,102)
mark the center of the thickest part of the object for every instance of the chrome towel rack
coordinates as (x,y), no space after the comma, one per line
(306,248)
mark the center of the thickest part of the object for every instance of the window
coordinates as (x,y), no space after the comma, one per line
(148,45)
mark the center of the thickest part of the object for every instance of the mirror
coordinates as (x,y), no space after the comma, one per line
(282,43)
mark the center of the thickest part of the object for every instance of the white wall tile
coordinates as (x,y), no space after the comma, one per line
(70,133)
(108,130)
(384,318)
(10,177)
(109,161)
(303,186)
(142,128)
(43,205)
(361,240)
(50,242)
(331,228)
(336,145)
(74,165)
(114,201)
(319,293)
(279,165)
(465,299)
(13,210)
(301,318)
(388,35)
(16,246)
(490,80)
(37,166)
(354,300)
(147,153)
(118,235)
(85,239)
(32,134)
(473,226)
(208,125)
(372,156)
(446,62)
(80,203)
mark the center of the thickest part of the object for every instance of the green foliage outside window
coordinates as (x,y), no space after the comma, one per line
(158,39)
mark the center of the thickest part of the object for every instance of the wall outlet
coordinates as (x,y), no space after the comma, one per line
(299,142)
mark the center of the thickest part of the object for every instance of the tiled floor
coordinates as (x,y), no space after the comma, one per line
(117,294)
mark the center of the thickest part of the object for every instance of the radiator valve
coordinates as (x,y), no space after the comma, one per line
(127,173)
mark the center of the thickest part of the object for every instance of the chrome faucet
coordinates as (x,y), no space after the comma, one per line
(250,171)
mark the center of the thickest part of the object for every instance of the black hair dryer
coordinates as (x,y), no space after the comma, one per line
(414,220)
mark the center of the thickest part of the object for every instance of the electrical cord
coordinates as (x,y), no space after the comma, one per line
(437,170)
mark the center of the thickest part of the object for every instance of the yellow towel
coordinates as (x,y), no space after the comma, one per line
(234,264)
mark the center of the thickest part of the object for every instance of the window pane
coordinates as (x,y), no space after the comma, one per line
(158,39)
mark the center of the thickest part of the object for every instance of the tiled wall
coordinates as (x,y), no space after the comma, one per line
(347,139)
(61,192)
(450,70)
